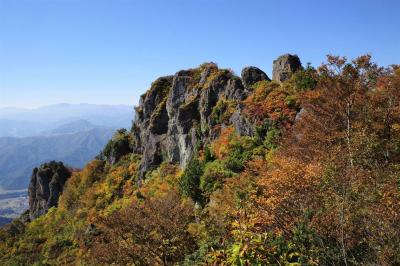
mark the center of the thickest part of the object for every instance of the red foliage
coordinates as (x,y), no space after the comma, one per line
(274,102)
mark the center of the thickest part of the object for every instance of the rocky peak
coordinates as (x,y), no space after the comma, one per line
(174,117)
(251,75)
(207,69)
(46,186)
(284,66)
(182,113)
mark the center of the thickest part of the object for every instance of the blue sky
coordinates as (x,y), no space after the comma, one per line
(109,51)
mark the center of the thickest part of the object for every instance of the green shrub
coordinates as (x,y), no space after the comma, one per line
(240,151)
(290,101)
(190,180)
(214,174)
(235,162)
(267,135)
(208,155)
(118,146)
(305,79)
(271,139)
(222,111)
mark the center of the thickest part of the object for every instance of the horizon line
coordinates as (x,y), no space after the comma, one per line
(61,103)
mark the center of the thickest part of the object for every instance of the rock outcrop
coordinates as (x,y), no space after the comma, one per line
(251,75)
(118,146)
(181,113)
(174,117)
(285,66)
(46,186)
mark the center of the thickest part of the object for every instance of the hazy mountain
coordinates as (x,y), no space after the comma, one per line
(21,122)
(4,220)
(20,128)
(18,156)
(72,133)
(72,127)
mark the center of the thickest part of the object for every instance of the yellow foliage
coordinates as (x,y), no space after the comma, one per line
(287,190)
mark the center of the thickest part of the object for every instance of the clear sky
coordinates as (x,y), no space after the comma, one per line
(109,51)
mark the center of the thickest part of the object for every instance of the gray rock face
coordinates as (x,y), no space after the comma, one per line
(235,90)
(284,66)
(251,75)
(242,124)
(45,187)
(173,118)
(207,72)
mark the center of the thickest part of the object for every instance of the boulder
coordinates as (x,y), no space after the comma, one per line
(251,75)
(284,66)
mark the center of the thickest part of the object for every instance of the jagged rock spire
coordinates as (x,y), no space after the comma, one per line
(46,185)
(284,66)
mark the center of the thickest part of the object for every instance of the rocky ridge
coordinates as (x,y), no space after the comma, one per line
(175,118)
(181,113)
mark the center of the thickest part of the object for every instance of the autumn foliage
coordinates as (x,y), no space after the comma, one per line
(340,164)
(316,183)
(148,232)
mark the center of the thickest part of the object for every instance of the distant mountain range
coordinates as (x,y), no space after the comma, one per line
(18,156)
(73,127)
(72,133)
(20,122)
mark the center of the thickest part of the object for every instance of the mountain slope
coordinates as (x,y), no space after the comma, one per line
(18,156)
(20,128)
(226,170)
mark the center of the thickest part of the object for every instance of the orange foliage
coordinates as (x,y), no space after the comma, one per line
(272,101)
(153,232)
(341,163)
(288,189)
(221,144)
(235,195)
(161,181)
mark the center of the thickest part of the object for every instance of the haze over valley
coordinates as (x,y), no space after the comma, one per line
(71,133)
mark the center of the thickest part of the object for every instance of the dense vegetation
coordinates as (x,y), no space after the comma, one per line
(318,184)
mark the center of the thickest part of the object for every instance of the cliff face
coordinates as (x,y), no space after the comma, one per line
(180,113)
(45,187)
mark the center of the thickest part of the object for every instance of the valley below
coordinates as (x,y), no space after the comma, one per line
(12,204)
(71,133)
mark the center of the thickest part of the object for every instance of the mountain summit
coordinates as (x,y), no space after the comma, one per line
(186,110)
